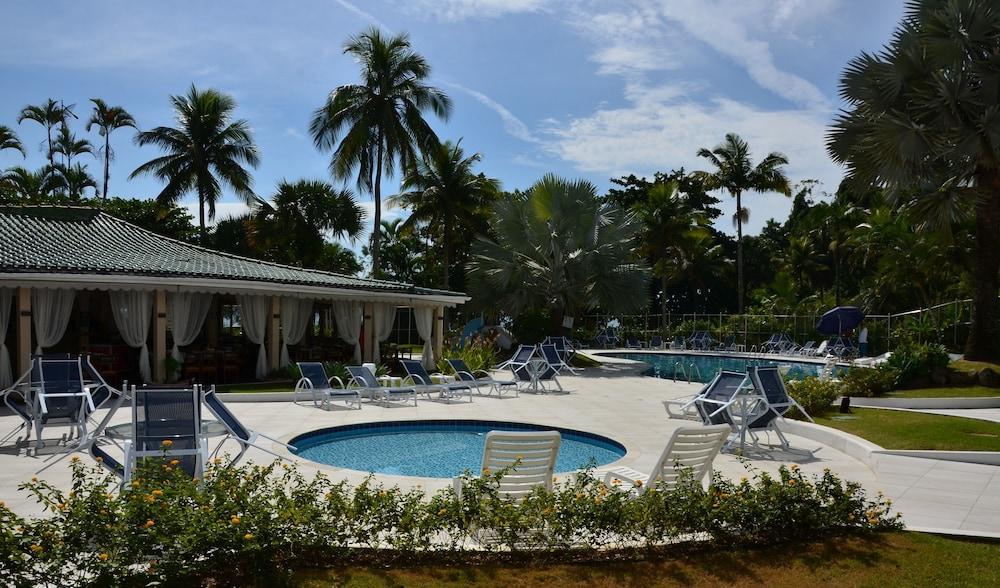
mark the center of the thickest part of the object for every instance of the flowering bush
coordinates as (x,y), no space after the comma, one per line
(259,523)
(869,382)
(815,395)
(479,353)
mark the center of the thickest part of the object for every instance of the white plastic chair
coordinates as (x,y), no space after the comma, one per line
(688,447)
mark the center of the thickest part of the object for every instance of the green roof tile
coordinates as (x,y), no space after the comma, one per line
(63,239)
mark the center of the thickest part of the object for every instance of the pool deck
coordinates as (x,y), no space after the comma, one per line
(612,400)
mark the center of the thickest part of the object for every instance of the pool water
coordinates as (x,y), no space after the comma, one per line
(438,449)
(664,365)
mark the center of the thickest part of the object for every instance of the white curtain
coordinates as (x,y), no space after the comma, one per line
(50,310)
(424,317)
(296,314)
(187,315)
(253,317)
(6,298)
(349,316)
(385,316)
(132,310)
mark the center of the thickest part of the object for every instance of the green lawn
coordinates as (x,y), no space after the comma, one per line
(895,429)
(965,365)
(898,559)
(962,392)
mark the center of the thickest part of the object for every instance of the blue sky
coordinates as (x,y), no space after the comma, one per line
(581,88)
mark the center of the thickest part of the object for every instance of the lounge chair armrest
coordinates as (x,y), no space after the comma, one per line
(627,475)
(303,384)
(461,376)
(414,380)
(338,380)
(483,372)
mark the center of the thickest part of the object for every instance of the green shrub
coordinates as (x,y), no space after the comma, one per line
(917,360)
(257,524)
(815,395)
(479,353)
(869,382)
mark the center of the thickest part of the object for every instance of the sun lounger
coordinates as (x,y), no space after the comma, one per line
(530,455)
(689,448)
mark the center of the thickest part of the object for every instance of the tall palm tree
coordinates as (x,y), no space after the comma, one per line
(31,186)
(67,145)
(206,150)
(74,179)
(9,140)
(107,119)
(48,114)
(378,124)
(560,248)
(442,190)
(735,173)
(921,123)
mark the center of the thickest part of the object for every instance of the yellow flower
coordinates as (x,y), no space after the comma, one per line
(149,498)
(443,511)
(638,483)
(74,459)
(157,492)
(791,482)
(174,462)
(34,478)
(136,484)
(486,471)
(36,548)
(149,523)
(102,556)
(235,520)
(167,443)
(99,459)
(248,537)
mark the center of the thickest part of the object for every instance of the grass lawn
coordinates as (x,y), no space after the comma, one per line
(896,429)
(898,559)
(965,365)
(962,392)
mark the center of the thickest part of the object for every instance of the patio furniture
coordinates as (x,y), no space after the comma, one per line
(729,344)
(689,449)
(808,349)
(363,380)
(419,377)
(774,404)
(564,346)
(51,393)
(530,455)
(678,343)
(656,342)
(632,343)
(536,374)
(520,357)
(315,381)
(481,378)
(166,414)
(236,430)
(551,355)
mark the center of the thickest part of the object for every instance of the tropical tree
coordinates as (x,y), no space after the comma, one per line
(379,124)
(402,253)
(560,248)
(67,145)
(922,123)
(339,259)
(107,119)
(74,179)
(294,226)
(48,114)
(736,173)
(28,186)
(9,140)
(207,149)
(442,190)
(670,224)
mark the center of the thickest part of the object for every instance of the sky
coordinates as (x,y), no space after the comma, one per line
(589,89)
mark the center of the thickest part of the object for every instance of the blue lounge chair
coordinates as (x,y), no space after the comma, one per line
(481,378)
(551,355)
(236,430)
(632,343)
(520,357)
(166,414)
(51,393)
(315,382)
(422,381)
(536,375)
(770,385)
(656,342)
(363,380)
(678,343)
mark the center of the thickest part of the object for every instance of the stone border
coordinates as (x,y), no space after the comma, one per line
(926,403)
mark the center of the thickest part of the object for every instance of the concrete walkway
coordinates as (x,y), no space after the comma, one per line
(615,401)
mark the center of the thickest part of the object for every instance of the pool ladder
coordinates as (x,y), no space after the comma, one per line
(686,374)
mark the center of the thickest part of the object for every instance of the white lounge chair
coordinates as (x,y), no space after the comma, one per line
(530,455)
(688,447)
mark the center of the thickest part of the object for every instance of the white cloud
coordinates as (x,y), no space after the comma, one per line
(457,10)
(511,123)
(364,15)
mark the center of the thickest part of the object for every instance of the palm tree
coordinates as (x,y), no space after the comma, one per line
(442,190)
(735,172)
(28,186)
(67,145)
(294,226)
(9,140)
(107,119)
(560,248)
(48,114)
(374,126)
(920,124)
(669,222)
(74,179)
(206,150)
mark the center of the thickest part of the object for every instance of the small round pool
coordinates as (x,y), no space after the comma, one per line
(437,449)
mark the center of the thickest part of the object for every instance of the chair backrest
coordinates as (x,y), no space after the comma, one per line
(722,388)
(768,382)
(167,414)
(523,354)
(225,416)
(656,341)
(551,355)
(416,369)
(688,447)
(461,369)
(822,347)
(531,455)
(61,387)
(363,376)
(315,373)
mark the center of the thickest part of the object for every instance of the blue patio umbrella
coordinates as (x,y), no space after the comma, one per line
(839,320)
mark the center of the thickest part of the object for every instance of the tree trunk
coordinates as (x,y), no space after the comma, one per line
(836,276)
(52,156)
(107,160)
(739,252)
(663,303)
(445,258)
(377,197)
(557,321)
(984,335)
(201,216)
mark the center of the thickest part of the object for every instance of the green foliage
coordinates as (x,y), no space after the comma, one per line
(257,524)
(917,360)
(815,395)
(479,353)
(869,382)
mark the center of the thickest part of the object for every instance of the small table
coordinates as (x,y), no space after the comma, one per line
(536,367)
(391,381)
(209,428)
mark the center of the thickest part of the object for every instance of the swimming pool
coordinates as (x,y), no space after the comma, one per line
(437,449)
(665,365)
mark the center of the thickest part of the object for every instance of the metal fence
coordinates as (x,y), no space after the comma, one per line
(946,323)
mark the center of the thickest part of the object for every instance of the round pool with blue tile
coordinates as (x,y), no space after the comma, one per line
(438,449)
